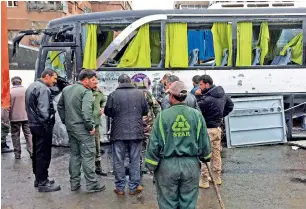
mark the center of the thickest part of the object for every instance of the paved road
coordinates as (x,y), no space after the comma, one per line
(265,177)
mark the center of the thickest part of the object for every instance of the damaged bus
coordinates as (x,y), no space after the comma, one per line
(251,53)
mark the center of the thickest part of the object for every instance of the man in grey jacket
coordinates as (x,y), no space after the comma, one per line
(19,118)
(190,101)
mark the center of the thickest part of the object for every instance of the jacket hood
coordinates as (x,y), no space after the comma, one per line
(215,91)
(125,86)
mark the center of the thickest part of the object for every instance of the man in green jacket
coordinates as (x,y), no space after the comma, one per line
(178,141)
(99,100)
(75,109)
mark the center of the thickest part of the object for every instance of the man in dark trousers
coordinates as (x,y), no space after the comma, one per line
(214,105)
(178,143)
(126,106)
(41,118)
(75,108)
(19,118)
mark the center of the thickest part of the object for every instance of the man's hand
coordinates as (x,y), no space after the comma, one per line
(92,132)
(102,111)
(198,92)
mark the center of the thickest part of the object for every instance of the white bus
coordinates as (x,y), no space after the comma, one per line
(249,52)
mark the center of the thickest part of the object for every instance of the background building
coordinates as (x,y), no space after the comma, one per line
(191,4)
(25,15)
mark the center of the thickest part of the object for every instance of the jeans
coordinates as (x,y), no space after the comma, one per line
(134,151)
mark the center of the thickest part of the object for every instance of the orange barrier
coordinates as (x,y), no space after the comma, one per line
(5,78)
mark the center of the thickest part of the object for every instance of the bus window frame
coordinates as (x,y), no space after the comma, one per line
(43,53)
(233,20)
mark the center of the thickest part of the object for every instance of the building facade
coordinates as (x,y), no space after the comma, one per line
(25,15)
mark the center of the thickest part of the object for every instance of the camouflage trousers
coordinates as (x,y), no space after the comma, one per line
(215,162)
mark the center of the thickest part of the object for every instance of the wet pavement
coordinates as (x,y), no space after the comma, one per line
(265,177)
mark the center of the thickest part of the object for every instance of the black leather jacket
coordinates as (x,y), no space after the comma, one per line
(214,105)
(39,104)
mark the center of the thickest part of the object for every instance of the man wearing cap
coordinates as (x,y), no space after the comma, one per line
(178,142)
(19,118)
(190,100)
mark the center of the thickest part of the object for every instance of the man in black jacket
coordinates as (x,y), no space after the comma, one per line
(214,105)
(41,118)
(126,106)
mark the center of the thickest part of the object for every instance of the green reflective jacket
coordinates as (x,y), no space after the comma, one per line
(99,100)
(75,108)
(178,131)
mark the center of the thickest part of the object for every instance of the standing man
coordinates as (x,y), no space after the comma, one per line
(178,140)
(19,118)
(190,100)
(5,129)
(99,100)
(158,89)
(41,118)
(195,83)
(126,106)
(214,105)
(143,83)
(75,108)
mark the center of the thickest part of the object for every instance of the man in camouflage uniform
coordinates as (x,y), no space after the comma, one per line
(143,82)
(99,101)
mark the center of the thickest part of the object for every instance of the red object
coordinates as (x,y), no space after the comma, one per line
(5,77)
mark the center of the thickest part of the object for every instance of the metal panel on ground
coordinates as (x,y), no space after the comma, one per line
(255,121)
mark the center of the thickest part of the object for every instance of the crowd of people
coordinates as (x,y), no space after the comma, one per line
(171,131)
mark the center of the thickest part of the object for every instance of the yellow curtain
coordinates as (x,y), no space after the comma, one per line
(90,53)
(155,46)
(56,61)
(244,44)
(297,49)
(263,43)
(108,41)
(222,36)
(176,45)
(137,53)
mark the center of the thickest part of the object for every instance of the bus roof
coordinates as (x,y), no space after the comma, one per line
(132,15)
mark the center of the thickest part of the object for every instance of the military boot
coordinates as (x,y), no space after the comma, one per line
(5,148)
(97,188)
(204,183)
(218,180)
(46,186)
(99,170)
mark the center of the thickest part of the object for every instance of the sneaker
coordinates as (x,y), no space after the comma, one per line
(204,183)
(17,157)
(97,188)
(118,192)
(138,190)
(48,187)
(36,183)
